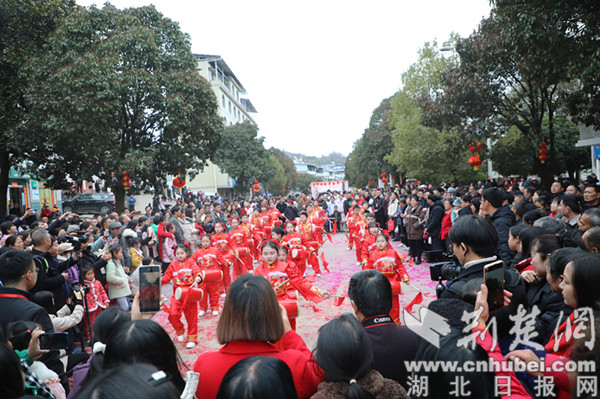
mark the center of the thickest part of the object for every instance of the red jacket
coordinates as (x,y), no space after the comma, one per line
(162,233)
(388,262)
(446,225)
(213,366)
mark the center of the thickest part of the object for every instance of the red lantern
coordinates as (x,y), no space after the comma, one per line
(126,181)
(178,182)
(542,152)
(256,186)
(475,161)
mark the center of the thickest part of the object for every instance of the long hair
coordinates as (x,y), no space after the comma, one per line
(344,353)
(258,377)
(144,341)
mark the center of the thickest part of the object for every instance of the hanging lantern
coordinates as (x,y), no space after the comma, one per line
(126,181)
(542,152)
(383,179)
(475,161)
(178,182)
(256,186)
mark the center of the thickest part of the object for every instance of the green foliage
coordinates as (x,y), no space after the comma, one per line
(117,91)
(304,180)
(367,160)
(289,169)
(276,183)
(24,29)
(243,156)
(514,154)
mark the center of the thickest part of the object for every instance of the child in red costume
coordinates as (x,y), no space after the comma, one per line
(209,258)
(239,245)
(298,253)
(220,240)
(368,244)
(184,273)
(283,276)
(258,230)
(386,260)
(96,297)
(249,234)
(308,234)
(316,216)
(352,222)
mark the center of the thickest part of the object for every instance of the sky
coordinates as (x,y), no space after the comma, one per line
(316,70)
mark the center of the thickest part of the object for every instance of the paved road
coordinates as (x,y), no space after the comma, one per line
(342,266)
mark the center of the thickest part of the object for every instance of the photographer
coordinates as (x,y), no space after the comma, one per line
(66,317)
(475,243)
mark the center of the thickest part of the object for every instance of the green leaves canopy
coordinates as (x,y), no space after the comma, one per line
(117,91)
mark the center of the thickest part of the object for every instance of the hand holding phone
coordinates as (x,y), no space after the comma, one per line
(149,288)
(493,276)
(54,341)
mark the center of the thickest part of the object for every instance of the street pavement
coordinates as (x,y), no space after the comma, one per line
(342,265)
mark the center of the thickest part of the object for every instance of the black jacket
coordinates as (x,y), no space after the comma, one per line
(468,283)
(503,219)
(16,305)
(392,346)
(550,304)
(90,260)
(465,211)
(434,223)
(50,276)
(290,212)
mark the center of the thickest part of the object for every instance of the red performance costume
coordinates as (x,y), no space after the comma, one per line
(259,233)
(368,247)
(307,233)
(388,262)
(209,259)
(221,243)
(294,242)
(352,223)
(285,277)
(249,234)
(183,274)
(242,261)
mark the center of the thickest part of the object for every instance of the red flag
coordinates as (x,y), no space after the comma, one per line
(325,263)
(338,300)
(312,279)
(416,300)
(347,237)
(334,227)
(329,238)
(411,262)
(315,308)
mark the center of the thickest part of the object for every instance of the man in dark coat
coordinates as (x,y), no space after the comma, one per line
(502,217)
(379,209)
(433,227)
(475,242)
(18,274)
(370,294)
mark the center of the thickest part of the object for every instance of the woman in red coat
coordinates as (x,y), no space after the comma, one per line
(251,322)
(386,260)
(446,223)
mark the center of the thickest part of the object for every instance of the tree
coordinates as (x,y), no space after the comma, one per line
(24,29)
(117,91)
(289,169)
(243,155)
(514,154)
(367,160)
(276,183)
(304,180)
(500,82)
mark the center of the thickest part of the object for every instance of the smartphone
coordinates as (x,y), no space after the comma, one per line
(54,341)
(149,288)
(493,275)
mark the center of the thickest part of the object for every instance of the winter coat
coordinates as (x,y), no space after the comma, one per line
(372,382)
(503,219)
(413,222)
(118,281)
(434,222)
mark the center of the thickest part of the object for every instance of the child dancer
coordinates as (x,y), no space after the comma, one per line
(239,245)
(209,258)
(220,240)
(184,273)
(386,260)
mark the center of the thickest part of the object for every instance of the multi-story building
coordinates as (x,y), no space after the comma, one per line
(234,107)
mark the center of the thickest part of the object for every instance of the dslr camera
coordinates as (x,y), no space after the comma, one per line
(444,267)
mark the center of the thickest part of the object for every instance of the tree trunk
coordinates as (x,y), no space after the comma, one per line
(119,192)
(4,170)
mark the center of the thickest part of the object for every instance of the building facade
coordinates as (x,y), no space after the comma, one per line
(234,107)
